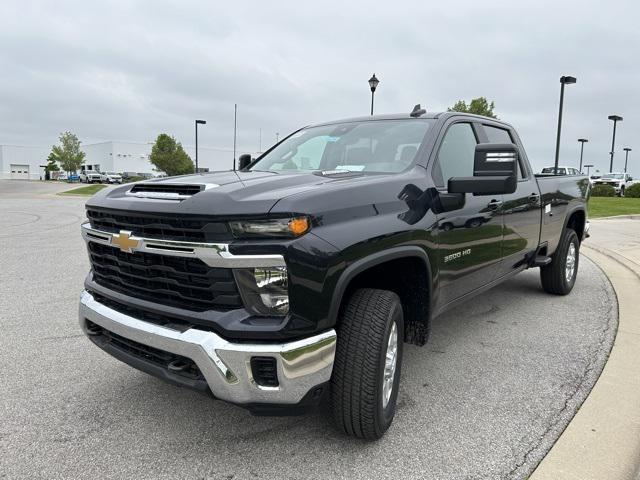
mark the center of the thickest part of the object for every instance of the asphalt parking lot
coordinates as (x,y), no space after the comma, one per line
(486,398)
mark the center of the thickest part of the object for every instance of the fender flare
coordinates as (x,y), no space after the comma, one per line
(372,260)
(579,208)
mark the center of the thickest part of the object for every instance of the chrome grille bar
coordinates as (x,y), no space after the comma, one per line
(212,254)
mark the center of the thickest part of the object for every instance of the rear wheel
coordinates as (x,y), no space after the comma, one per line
(560,275)
(366,372)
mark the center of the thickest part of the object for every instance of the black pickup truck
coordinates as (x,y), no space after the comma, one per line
(298,277)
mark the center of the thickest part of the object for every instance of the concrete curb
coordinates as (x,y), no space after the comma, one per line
(630,216)
(603,439)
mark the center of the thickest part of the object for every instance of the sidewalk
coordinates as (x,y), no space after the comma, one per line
(602,441)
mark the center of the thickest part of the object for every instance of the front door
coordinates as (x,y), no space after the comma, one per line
(470,238)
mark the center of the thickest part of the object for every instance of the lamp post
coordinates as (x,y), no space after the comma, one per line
(235,129)
(626,158)
(198,122)
(564,80)
(582,142)
(588,167)
(373,84)
(615,119)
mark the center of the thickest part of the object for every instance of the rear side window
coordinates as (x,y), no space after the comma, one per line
(455,157)
(502,135)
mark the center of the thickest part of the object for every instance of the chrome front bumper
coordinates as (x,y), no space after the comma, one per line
(301,364)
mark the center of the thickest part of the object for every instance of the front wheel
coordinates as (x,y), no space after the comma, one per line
(368,361)
(560,275)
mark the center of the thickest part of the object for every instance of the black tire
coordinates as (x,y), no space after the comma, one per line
(474,223)
(554,276)
(357,382)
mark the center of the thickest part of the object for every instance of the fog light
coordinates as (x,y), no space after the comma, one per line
(264,291)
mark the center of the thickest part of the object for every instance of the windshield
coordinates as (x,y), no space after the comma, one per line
(616,176)
(380,146)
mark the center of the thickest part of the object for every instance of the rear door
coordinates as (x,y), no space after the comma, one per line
(469,238)
(520,211)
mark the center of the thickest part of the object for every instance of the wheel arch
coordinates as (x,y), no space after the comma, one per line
(576,220)
(413,287)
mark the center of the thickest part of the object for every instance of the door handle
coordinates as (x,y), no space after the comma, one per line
(494,204)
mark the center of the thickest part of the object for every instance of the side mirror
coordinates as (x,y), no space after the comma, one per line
(495,171)
(244,161)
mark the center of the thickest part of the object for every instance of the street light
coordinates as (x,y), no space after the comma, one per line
(582,142)
(616,119)
(626,158)
(198,122)
(588,167)
(373,83)
(564,80)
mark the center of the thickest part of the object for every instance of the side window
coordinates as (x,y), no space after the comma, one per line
(501,135)
(455,157)
(497,135)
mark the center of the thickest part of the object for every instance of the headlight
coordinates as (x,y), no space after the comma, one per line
(279,227)
(264,291)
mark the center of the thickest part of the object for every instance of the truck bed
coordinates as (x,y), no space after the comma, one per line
(560,195)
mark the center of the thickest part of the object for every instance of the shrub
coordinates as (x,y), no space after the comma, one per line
(603,191)
(633,191)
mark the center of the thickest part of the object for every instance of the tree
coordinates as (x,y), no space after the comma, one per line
(68,153)
(168,156)
(52,166)
(479,106)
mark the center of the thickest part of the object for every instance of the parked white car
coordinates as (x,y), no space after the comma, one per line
(619,181)
(90,176)
(111,177)
(561,170)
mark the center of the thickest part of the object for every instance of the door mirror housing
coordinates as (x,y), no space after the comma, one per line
(495,171)
(244,161)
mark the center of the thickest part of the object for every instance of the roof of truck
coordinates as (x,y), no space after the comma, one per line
(397,116)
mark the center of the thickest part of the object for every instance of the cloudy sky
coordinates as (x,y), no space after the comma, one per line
(130,70)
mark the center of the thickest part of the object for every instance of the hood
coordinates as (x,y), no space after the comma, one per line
(223,193)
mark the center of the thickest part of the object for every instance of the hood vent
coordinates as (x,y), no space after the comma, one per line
(167,191)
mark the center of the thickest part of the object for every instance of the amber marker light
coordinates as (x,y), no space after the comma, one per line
(299,225)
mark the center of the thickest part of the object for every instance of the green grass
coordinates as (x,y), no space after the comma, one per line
(611,206)
(88,190)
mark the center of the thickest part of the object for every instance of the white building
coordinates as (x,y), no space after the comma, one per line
(27,163)
(20,162)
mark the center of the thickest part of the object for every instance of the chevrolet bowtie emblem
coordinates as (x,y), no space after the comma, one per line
(125,241)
